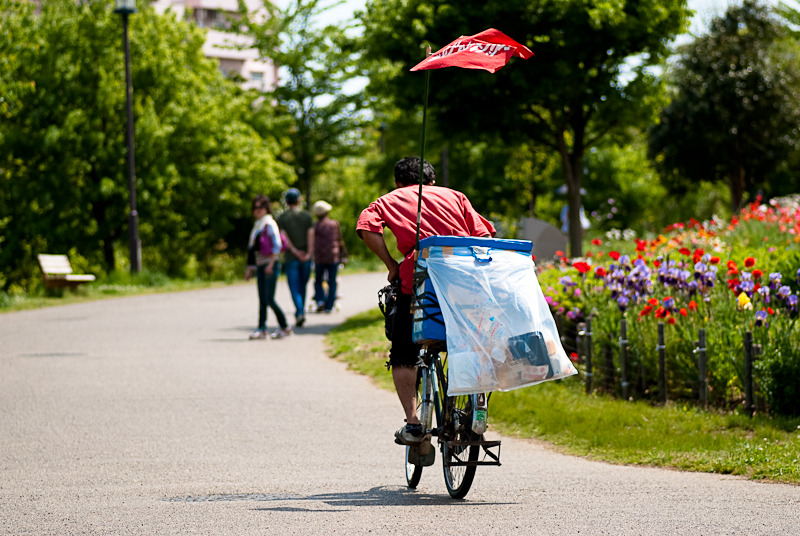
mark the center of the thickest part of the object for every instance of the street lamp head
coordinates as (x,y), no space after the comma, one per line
(124,7)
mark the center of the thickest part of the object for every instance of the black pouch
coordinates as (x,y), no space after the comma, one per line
(532,348)
(387,301)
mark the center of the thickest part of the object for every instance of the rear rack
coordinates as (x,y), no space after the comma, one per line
(486,445)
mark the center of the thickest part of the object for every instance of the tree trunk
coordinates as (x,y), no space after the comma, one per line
(572,163)
(736,182)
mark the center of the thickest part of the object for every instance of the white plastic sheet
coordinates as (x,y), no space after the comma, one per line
(500,332)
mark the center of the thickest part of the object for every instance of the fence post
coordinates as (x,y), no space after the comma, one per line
(623,356)
(749,403)
(662,365)
(702,389)
(585,333)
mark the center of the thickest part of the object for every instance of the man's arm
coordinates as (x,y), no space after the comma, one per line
(377,245)
(310,242)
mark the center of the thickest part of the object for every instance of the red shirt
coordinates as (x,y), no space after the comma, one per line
(444,212)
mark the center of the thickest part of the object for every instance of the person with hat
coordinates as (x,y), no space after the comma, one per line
(298,227)
(329,252)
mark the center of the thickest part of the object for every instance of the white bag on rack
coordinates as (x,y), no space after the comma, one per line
(500,332)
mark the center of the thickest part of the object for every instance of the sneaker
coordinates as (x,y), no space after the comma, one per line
(300,321)
(410,434)
(281,333)
(258,334)
(320,307)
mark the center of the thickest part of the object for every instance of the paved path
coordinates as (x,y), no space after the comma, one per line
(155,415)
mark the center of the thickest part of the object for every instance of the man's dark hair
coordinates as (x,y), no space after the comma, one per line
(262,201)
(406,171)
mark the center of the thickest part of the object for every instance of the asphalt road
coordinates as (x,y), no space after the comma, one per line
(155,415)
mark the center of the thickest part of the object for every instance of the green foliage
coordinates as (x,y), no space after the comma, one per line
(734,112)
(321,116)
(63,177)
(578,88)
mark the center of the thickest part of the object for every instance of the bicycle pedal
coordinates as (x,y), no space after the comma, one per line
(423,454)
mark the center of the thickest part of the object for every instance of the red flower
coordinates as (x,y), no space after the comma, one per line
(671,320)
(693,305)
(582,267)
(685,251)
(559,253)
(614,255)
(641,245)
(662,313)
(749,262)
(757,274)
(731,265)
(573,357)
(770,311)
(597,242)
(683,311)
(533,257)
(646,310)
(714,260)
(600,272)
(732,282)
(656,263)
(653,301)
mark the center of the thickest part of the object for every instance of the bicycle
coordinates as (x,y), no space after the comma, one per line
(460,425)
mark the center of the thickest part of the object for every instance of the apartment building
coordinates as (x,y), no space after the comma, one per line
(225,47)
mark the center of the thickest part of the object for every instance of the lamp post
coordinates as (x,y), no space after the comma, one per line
(126,8)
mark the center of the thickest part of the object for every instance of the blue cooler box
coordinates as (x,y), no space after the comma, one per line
(428,321)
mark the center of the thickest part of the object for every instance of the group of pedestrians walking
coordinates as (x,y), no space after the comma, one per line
(301,244)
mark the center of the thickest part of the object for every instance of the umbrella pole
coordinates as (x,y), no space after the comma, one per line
(422,151)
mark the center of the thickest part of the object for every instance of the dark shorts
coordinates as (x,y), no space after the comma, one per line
(404,352)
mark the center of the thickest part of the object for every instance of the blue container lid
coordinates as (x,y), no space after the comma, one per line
(525,246)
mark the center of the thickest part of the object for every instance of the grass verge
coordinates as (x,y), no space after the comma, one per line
(598,427)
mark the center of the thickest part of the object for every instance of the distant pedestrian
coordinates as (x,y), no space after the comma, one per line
(329,252)
(298,226)
(262,259)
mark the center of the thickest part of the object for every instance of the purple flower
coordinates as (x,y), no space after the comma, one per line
(669,303)
(761,319)
(764,291)
(798,275)
(784,292)
(791,301)
(623,302)
(699,270)
(746,286)
(775,280)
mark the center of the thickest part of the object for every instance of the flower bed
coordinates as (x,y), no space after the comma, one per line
(728,278)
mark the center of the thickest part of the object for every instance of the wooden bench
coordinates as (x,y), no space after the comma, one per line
(58,272)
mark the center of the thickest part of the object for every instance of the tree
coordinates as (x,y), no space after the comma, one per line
(734,112)
(63,182)
(590,77)
(322,115)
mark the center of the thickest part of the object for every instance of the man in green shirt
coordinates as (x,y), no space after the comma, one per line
(298,225)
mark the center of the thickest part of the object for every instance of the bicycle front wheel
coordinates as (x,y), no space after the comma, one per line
(458,476)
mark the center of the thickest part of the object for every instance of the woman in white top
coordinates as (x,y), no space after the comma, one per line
(262,258)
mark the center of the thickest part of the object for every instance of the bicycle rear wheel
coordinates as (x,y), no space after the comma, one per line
(458,477)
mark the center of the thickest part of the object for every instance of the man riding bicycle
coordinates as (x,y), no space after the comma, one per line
(444,212)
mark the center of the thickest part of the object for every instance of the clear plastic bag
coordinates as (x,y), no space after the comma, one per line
(500,332)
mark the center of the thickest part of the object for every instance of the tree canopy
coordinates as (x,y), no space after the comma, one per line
(590,76)
(63,179)
(734,112)
(320,111)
